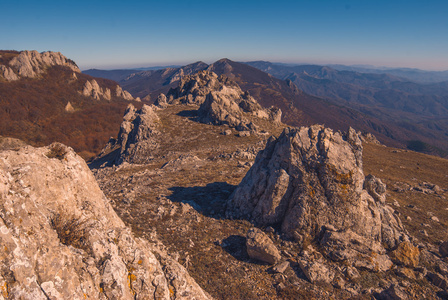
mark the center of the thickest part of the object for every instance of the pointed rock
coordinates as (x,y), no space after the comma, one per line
(7,73)
(310,180)
(69,107)
(138,135)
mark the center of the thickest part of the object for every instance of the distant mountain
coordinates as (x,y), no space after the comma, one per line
(122,74)
(45,98)
(153,82)
(418,108)
(399,112)
(416,75)
(116,75)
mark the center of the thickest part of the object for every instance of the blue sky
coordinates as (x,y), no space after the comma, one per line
(112,34)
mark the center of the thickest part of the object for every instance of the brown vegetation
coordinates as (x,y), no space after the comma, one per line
(7,55)
(33,109)
(71,231)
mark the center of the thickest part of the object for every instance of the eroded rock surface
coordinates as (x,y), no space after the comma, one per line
(221,101)
(93,89)
(137,137)
(61,239)
(310,180)
(32,63)
(7,73)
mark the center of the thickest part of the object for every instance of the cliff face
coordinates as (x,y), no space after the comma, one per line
(61,239)
(32,63)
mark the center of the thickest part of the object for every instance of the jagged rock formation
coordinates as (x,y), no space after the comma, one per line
(7,73)
(193,89)
(61,239)
(311,182)
(92,89)
(124,94)
(221,101)
(137,137)
(184,71)
(32,63)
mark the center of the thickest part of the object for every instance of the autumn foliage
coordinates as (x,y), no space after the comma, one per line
(33,109)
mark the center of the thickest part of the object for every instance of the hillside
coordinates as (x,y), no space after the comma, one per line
(400,113)
(43,100)
(179,192)
(417,112)
(223,200)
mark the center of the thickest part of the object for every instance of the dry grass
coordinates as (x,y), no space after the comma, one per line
(71,231)
(186,207)
(395,166)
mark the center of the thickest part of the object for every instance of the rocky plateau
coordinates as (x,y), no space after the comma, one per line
(206,194)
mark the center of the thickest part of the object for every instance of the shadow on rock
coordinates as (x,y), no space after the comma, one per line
(191,114)
(210,200)
(235,245)
(106,160)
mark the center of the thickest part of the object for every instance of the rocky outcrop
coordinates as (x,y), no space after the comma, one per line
(69,107)
(137,137)
(221,101)
(310,180)
(61,239)
(119,92)
(7,73)
(32,63)
(93,89)
(193,89)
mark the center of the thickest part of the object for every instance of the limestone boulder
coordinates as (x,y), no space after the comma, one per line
(161,101)
(61,239)
(260,247)
(310,180)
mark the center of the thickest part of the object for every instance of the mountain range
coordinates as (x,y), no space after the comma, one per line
(398,111)
(205,193)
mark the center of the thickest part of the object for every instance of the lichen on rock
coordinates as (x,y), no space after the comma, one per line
(61,239)
(310,182)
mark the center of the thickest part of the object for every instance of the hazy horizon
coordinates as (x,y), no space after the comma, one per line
(117,34)
(168,64)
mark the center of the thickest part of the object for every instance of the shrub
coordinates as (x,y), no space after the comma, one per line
(57,151)
(71,231)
